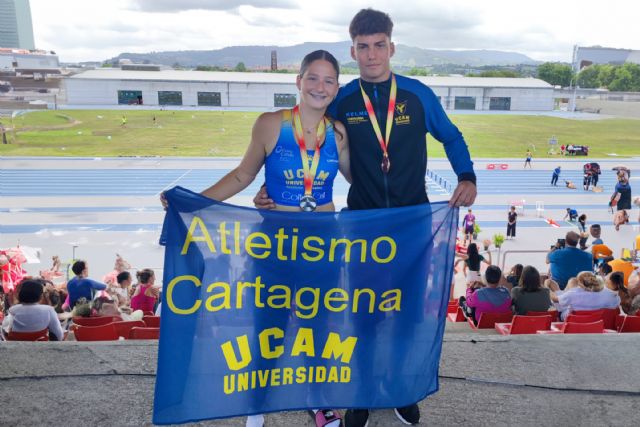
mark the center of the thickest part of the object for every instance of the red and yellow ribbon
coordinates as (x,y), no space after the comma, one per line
(384,142)
(308,169)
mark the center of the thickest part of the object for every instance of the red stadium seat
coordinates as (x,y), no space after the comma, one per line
(579,328)
(123,328)
(457,316)
(452,306)
(42,335)
(151,321)
(607,314)
(96,333)
(584,328)
(95,321)
(489,320)
(144,333)
(583,318)
(524,325)
(630,324)
(553,313)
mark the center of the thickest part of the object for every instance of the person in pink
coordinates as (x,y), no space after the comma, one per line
(486,299)
(145,296)
(120,265)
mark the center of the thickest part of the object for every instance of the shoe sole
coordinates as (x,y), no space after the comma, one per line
(402,420)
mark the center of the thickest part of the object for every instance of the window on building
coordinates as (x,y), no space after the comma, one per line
(128,97)
(465,103)
(500,103)
(211,99)
(284,100)
(169,97)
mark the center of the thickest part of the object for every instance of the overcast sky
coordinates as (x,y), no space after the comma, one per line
(546,30)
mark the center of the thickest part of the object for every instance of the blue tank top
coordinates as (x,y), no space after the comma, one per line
(284,175)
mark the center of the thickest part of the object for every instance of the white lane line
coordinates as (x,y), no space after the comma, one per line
(173,183)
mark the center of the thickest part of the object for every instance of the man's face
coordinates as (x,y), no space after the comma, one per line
(373,54)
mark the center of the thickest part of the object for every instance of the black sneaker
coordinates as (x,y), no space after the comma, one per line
(409,414)
(356,418)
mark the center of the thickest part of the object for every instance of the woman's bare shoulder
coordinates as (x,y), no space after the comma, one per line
(270,119)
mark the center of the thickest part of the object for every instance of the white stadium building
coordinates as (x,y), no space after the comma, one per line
(153,86)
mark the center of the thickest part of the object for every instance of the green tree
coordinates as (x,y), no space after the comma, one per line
(622,81)
(555,73)
(416,71)
(496,73)
(589,77)
(606,74)
(240,67)
(634,71)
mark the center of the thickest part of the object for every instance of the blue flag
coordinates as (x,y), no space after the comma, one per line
(267,311)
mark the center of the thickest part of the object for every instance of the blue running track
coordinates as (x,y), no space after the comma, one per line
(128,182)
(148,182)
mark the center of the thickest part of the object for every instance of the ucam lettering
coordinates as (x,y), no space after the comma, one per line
(271,347)
(320,177)
(250,380)
(304,344)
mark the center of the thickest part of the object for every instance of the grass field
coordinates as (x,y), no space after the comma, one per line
(221,133)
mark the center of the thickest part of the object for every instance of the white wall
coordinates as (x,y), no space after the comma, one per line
(105,92)
(261,95)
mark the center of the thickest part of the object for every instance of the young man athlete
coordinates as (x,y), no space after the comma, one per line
(387,118)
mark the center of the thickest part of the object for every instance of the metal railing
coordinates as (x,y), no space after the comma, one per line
(519,251)
(442,182)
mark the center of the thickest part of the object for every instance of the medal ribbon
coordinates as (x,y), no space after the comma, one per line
(309,170)
(384,143)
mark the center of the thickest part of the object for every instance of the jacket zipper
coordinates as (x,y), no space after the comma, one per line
(384,175)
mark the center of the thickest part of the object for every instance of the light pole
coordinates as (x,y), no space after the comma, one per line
(573,96)
(574,78)
(73,259)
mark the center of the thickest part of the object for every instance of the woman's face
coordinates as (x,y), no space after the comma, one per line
(319,84)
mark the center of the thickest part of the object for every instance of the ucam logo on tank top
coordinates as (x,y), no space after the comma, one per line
(284,173)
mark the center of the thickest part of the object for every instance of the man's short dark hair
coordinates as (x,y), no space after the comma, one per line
(370,21)
(572,238)
(78,267)
(493,275)
(125,275)
(30,291)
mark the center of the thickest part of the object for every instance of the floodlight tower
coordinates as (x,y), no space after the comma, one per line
(574,68)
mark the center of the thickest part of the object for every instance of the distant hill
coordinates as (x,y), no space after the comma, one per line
(260,56)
